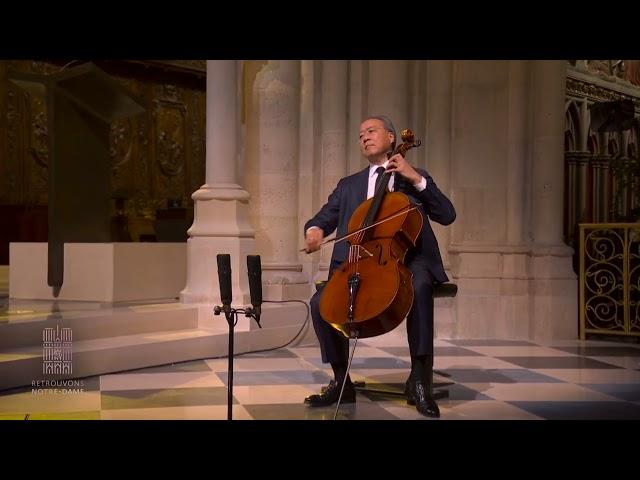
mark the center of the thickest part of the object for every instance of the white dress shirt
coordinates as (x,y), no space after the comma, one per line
(373,176)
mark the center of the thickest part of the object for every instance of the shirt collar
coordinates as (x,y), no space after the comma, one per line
(372,168)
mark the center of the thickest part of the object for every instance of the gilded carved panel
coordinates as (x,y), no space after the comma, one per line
(156,156)
(197,168)
(10,168)
(37,150)
(170,119)
(25,136)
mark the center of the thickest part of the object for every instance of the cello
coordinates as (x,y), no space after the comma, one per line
(371,292)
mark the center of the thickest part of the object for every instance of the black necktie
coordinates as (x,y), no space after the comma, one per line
(380,171)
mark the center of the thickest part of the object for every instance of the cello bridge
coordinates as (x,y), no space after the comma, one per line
(357,253)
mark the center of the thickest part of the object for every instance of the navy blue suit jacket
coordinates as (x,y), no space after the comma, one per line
(351,191)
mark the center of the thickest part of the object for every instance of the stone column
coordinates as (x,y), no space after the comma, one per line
(513,299)
(308,188)
(272,171)
(388,88)
(221,216)
(333,157)
(601,188)
(358,89)
(554,309)
(438,141)
(584,126)
(549,81)
(517,137)
(577,192)
(437,152)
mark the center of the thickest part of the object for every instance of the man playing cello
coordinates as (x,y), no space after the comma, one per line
(377,140)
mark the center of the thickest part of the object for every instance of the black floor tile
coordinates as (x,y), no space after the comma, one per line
(438,352)
(515,375)
(581,410)
(558,362)
(605,351)
(624,391)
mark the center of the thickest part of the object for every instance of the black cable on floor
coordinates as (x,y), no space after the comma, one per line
(306,320)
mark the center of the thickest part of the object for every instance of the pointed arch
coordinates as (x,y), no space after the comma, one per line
(572,130)
(613,145)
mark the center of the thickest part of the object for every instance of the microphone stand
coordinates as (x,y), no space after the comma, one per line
(231,314)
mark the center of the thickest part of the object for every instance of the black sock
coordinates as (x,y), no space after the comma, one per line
(422,368)
(419,368)
(339,371)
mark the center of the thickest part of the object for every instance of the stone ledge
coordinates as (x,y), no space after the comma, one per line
(103,272)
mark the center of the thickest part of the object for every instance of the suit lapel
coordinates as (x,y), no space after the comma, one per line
(362,183)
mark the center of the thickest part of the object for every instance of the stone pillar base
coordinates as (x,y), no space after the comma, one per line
(202,269)
(285,281)
(284,291)
(554,293)
(491,308)
(220,226)
(519,293)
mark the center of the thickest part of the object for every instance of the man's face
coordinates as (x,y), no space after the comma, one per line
(375,140)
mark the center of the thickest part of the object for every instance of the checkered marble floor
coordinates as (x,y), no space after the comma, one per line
(480,380)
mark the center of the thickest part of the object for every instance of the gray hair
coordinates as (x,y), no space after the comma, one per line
(388,126)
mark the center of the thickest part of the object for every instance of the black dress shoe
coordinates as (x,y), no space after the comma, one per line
(329,395)
(419,394)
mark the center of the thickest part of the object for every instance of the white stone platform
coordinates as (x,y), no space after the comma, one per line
(113,338)
(100,272)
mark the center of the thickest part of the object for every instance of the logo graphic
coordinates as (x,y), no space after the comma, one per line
(56,351)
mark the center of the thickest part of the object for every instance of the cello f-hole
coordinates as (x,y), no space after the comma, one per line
(381,260)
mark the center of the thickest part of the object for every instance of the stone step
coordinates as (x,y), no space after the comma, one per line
(25,322)
(22,366)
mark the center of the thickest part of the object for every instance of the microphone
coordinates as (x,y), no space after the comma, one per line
(254,272)
(224,277)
